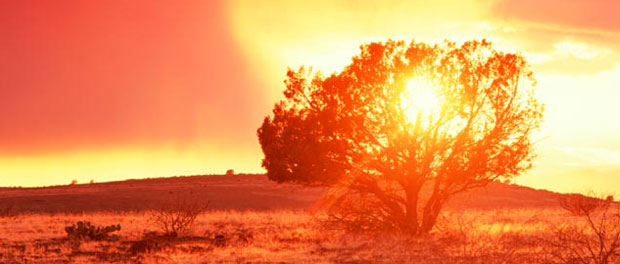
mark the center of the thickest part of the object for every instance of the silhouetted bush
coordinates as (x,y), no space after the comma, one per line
(178,216)
(593,238)
(230,172)
(84,230)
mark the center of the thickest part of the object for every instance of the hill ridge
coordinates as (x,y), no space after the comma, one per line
(229,192)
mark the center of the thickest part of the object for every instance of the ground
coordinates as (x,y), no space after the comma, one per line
(481,236)
(252,220)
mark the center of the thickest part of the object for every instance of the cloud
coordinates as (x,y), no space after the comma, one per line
(574,58)
(575,169)
(579,50)
(583,14)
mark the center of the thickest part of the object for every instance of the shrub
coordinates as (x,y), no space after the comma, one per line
(593,238)
(84,230)
(177,217)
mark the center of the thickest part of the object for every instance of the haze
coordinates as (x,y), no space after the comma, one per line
(115,90)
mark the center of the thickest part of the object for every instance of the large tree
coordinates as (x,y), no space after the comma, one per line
(400,117)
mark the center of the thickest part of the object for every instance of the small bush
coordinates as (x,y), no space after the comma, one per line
(178,216)
(83,230)
(593,238)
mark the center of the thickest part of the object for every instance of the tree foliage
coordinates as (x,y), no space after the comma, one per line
(351,129)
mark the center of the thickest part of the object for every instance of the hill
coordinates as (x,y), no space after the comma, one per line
(228,192)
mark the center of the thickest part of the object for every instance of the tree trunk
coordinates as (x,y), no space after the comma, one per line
(430,214)
(412,226)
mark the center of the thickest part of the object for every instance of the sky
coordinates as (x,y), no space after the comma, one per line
(112,90)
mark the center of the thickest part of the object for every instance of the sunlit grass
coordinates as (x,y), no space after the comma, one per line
(283,236)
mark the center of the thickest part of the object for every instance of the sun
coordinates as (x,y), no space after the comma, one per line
(420,97)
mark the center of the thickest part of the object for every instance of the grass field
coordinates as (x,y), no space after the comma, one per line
(482,236)
(253,220)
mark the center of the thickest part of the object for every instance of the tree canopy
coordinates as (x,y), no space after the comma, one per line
(402,116)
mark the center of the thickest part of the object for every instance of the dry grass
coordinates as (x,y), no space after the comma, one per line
(483,236)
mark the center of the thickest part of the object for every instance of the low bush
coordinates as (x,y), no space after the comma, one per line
(592,235)
(84,230)
(178,215)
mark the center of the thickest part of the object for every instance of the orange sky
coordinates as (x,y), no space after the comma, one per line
(109,90)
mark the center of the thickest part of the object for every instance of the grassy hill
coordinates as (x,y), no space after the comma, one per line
(224,192)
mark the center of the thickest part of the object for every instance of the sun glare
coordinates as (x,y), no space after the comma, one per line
(420,97)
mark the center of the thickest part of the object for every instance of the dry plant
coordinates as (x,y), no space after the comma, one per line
(84,230)
(468,237)
(593,238)
(480,236)
(178,215)
(355,212)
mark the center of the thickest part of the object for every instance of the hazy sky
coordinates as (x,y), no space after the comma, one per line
(109,90)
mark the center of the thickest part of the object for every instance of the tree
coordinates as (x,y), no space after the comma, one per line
(372,131)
